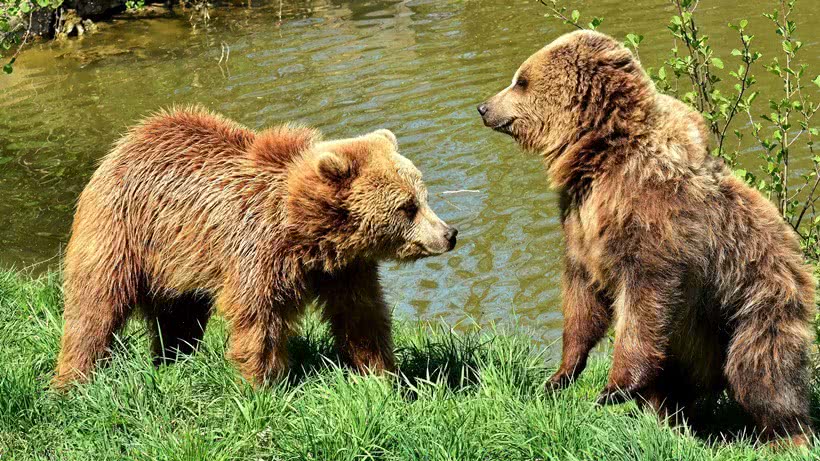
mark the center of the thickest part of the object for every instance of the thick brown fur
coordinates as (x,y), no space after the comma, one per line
(191,209)
(704,281)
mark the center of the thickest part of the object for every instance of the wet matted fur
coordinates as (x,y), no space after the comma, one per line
(190,208)
(704,281)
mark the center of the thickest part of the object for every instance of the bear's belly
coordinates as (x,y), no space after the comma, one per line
(182,272)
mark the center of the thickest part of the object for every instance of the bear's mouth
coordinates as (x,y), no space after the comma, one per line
(505,126)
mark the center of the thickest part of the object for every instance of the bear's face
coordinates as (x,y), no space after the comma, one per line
(535,106)
(559,91)
(376,200)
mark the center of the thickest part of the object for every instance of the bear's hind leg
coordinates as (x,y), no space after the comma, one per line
(177,323)
(359,318)
(93,314)
(767,371)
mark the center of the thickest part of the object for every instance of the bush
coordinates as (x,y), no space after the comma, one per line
(16,25)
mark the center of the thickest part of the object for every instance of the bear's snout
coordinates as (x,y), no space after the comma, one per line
(486,114)
(494,117)
(433,236)
(452,232)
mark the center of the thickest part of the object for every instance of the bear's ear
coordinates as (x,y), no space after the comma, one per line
(387,134)
(332,167)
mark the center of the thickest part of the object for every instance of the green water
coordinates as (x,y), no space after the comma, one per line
(418,68)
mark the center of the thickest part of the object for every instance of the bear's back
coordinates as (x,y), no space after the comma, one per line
(182,181)
(185,135)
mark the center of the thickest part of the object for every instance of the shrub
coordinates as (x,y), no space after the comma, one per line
(16,19)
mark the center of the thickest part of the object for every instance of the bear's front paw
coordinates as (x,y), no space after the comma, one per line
(558,381)
(613,395)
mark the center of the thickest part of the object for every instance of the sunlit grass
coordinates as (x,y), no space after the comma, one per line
(475,396)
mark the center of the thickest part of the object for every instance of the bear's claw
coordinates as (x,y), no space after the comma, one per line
(613,396)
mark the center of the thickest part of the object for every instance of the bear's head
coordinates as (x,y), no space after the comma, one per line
(359,198)
(583,81)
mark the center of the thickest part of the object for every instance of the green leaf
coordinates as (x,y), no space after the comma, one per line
(743,23)
(634,39)
(816,80)
(717,63)
(736,52)
(595,23)
(8,69)
(575,15)
(662,73)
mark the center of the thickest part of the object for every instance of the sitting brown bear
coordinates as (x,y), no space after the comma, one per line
(190,207)
(705,281)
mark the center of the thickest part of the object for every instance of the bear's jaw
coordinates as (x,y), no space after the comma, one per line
(505,126)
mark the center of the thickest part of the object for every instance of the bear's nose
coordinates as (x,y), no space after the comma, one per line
(482,109)
(451,237)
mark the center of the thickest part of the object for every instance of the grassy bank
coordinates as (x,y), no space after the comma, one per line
(461,397)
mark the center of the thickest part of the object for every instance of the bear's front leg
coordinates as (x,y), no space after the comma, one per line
(587,315)
(259,332)
(358,316)
(643,309)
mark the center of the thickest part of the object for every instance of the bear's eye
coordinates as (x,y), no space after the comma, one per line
(410,208)
(521,83)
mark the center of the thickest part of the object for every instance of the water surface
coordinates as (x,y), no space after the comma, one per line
(418,68)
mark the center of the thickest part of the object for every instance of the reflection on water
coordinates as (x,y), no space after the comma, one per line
(417,68)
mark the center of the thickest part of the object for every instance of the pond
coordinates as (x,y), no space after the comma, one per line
(418,68)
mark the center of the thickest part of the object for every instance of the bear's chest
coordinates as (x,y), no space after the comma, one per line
(587,239)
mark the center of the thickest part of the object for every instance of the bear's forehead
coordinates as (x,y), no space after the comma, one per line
(394,162)
(402,173)
(574,43)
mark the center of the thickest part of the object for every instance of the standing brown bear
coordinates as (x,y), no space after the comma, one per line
(705,281)
(190,207)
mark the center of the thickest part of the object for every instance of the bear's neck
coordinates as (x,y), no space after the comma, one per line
(598,150)
(313,250)
(575,171)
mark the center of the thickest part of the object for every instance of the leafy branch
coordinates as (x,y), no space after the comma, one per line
(16,17)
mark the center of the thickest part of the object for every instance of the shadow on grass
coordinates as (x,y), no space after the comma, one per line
(723,420)
(438,356)
(430,355)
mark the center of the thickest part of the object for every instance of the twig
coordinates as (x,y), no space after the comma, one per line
(26,36)
(461,191)
(226,52)
(743,87)
(558,14)
(808,200)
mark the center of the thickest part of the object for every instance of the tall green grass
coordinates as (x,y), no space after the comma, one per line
(474,396)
